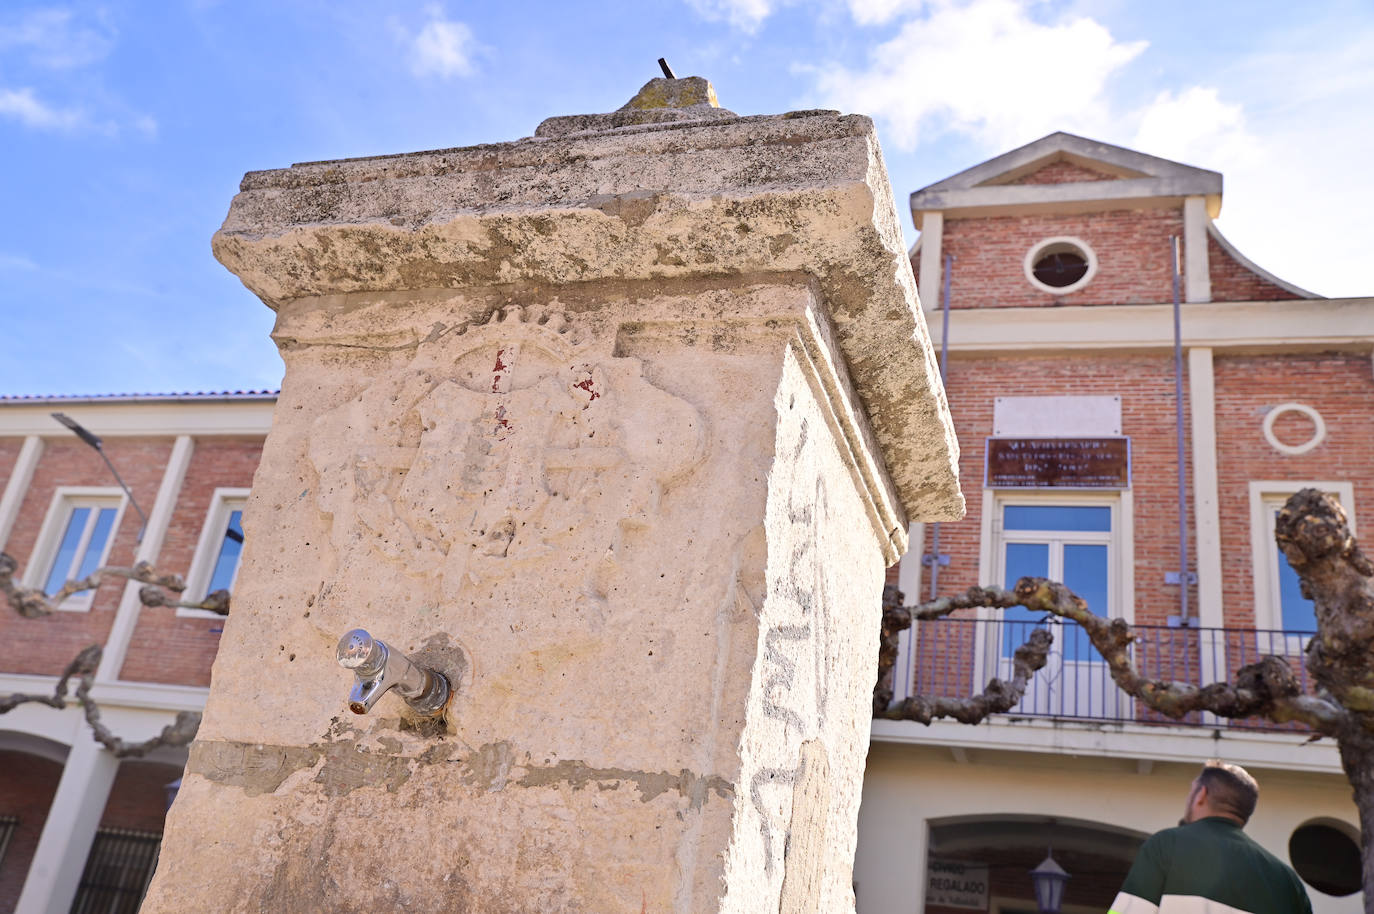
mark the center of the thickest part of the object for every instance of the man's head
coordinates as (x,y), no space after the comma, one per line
(1222,790)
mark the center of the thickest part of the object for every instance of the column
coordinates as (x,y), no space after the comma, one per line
(620,430)
(70,827)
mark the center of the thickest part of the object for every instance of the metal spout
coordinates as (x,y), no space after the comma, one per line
(378,668)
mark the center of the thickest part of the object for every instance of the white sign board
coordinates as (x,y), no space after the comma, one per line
(1056,417)
(955,884)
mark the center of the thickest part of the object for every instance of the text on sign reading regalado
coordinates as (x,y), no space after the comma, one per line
(1058,463)
(955,884)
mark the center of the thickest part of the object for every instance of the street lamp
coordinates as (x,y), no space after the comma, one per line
(1048,879)
(94,441)
(171,791)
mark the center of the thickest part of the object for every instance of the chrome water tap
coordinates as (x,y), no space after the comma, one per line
(378,668)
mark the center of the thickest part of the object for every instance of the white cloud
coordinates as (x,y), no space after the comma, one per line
(984,68)
(25,106)
(745,15)
(879,12)
(1283,122)
(53,39)
(1293,149)
(1193,126)
(443,47)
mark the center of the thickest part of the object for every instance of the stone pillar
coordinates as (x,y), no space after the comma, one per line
(73,817)
(620,425)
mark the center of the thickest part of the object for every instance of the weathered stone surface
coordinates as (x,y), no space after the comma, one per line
(638,515)
(687,92)
(747,197)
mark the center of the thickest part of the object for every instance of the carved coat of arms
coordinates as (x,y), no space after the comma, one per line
(502,443)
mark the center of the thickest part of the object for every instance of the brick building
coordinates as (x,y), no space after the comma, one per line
(1049,275)
(1060,346)
(79,830)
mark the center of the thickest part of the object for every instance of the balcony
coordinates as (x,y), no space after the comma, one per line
(957,657)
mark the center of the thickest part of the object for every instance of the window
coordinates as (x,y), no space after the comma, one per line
(1060,265)
(1279,603)
(75,541)
(117,872)
(216,562)
(1075,540)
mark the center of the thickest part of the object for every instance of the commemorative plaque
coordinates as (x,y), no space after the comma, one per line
(1057,463)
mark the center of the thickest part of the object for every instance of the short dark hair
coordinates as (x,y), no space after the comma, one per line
(1230,788)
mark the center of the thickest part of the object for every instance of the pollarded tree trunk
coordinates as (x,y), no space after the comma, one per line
(1313,533)
(1337,576)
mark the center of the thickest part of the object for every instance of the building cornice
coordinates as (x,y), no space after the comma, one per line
(1332,323)
(1285,751)
(131,417)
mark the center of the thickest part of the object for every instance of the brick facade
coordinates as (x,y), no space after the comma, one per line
(9,453)
(165,648)
(26,791)
(1340,386)
(138,797)
(1063,172)
(1145,384)
(1233,281)
(44,646)
(1132,247)
(176,649)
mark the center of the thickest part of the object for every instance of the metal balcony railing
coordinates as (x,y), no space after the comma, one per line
(957,657)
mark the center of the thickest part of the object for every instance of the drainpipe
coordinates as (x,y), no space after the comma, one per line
(935,559)
(1183,578)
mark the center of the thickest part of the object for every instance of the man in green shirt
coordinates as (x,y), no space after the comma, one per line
(1208,865)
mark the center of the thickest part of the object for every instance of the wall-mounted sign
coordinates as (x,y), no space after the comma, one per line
(955,884)
(1057,463)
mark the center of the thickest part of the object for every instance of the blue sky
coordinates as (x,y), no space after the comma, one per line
(126,126)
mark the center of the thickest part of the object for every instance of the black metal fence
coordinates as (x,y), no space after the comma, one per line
(7,826)
(117,873)
(957,657)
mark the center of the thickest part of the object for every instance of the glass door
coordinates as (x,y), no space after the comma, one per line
(1072,543)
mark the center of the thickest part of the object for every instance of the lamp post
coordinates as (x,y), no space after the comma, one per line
(171,791)
(1048,880)
(94,441)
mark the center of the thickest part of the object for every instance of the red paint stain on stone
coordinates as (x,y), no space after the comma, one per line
(496,371)
(586,385)
(504,429)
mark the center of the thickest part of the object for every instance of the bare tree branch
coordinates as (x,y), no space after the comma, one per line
(216,601)
(1000,695)
(1264,689)
(83,667)
(32,603)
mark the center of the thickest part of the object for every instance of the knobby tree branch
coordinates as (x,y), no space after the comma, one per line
(83,667)
(1266,689)
(1335,574)
(32,603)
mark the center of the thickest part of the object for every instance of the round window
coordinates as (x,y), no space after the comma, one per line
(1326,857)
(1060,265)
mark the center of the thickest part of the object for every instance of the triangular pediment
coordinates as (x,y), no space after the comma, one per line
(1064,168)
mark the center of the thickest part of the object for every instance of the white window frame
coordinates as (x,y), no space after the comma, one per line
(65,500)
(1265,494)
(1037,250)
(1120,546)
(223,503)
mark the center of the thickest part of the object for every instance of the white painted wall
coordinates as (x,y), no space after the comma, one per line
(907,786)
